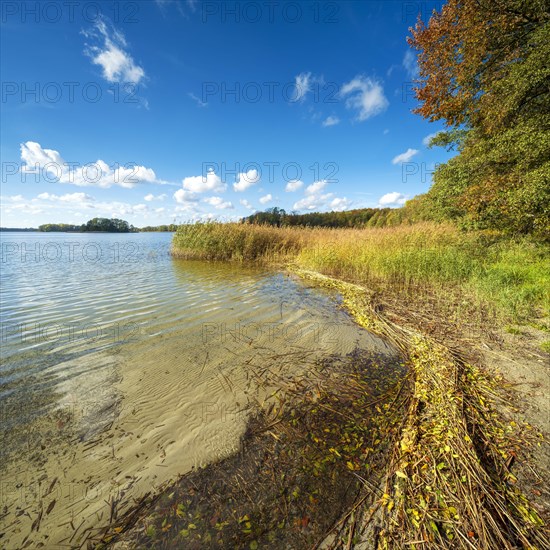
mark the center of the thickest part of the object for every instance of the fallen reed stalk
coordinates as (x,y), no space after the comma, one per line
(448,483)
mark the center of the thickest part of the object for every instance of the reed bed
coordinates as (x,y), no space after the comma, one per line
(475,268)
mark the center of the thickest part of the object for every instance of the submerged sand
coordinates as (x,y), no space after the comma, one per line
(159,406)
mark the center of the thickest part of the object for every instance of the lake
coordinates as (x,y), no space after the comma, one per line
(123,368)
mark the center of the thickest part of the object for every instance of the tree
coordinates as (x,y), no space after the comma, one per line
(484,70)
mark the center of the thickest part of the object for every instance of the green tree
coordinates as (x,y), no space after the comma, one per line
(484,70)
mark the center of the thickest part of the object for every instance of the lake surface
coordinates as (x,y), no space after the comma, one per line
(123,368)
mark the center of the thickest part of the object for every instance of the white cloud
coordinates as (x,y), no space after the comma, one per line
(73,204)
(410,64)
(331,121)
(76,208)
(314,198)
(366,96)
(428,138)
(338,204)
(405,157)
(93,174)
(78,198)
(219,203)
(183,196)
(246,204)
(202,184)
(35,157)
(246,180)
(392,199)
(293,185)
(302,83)
(316,187)
(313,202)
(266,198)
(111,56)
(150,197)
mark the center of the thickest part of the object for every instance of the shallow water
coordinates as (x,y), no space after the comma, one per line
(123,368)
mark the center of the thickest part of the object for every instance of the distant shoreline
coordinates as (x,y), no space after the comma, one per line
(36,230)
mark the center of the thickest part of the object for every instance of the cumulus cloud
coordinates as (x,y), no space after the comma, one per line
(316,199)
(266,198)
(246,180)
(219,203)
(410,64)
(150,197)
(364,95)
(405,157)
(73,204)
(339,203)
(184,196)
(331,121)
(35,157)
(111,55)
(316,187)
(392,199)
(52,167)
(293,185)
(202,184)
(246,204)
(313,202)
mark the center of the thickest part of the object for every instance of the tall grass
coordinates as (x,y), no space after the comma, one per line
(216,241)
(513,275)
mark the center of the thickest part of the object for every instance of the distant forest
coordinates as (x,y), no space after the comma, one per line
(104,225)
(360,217)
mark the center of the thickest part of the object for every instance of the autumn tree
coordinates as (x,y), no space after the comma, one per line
(484,71)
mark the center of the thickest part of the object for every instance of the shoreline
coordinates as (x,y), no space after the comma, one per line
(389,505)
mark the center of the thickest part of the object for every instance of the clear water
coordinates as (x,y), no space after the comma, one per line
(121,365)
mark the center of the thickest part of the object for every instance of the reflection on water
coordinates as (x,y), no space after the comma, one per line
(122,368)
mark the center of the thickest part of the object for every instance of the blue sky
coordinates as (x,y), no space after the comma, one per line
(164,111)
